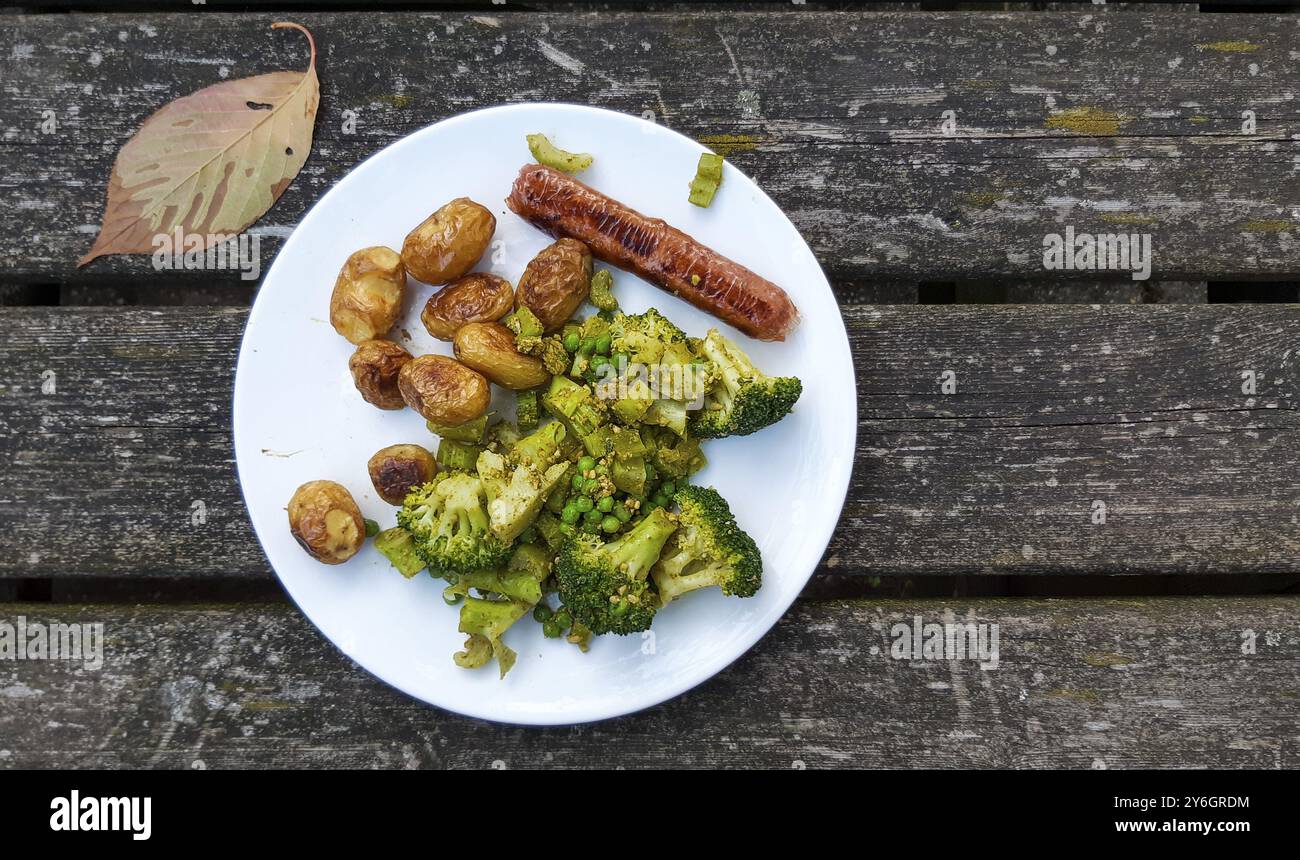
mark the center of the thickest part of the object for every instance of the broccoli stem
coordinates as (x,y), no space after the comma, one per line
(637,551)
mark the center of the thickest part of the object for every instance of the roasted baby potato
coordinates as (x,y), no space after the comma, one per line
(395,470)
(326,521)
(449,242)
(477,297)
(368,293)
(489,348)
(443,390)
(555,282)
(375,365)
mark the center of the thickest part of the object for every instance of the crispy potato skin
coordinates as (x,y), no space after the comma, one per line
(556,282)
(476,297)
(449,242)
(443,390)
(398,468)
(326,521)
(489,348)
(367,297)
(375,365)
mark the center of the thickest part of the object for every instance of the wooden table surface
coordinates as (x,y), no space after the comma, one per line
(1162,634)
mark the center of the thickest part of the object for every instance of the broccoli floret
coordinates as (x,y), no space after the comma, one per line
(555,358)
(604,585)
(485,621)
(515,494)
(708,549)
(599,293)
(643,337)
(524,323)
(448,519)
(741,398)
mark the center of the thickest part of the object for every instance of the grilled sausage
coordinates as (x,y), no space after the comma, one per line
(654,250)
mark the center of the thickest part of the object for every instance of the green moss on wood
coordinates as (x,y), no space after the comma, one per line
(1106,659)
(1267,225)
(1088,120)
(1231,46)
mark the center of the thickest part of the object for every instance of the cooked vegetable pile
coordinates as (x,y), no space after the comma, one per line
(580,512)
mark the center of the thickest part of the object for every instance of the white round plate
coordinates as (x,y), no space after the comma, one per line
(297,416)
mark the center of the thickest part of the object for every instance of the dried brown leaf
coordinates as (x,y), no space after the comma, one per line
(210,163)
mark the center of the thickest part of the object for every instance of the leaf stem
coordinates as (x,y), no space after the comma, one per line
(280,25)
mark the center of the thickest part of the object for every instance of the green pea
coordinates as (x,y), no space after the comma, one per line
(372,528)
(592,517)
(619,359)
(586,464)
(590,528)
(659,500)
(551,630)
(605,505)
(591,487)
(570,513)
(572,341)
(602,469)
(563,618)
(609,525)
(623,512)
(577,481)
(602,344)
(588,346)
(582,503)
(668,488)
(542,613)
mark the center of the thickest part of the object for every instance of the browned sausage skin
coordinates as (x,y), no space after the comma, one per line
(654,250)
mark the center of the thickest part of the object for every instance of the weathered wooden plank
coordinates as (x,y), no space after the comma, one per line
(1104,122)
(1057,409)
(1079,684)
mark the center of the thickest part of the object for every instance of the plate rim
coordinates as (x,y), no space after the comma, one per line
(683,683)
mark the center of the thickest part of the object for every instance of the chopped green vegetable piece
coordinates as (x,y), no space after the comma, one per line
(629,475)
(708,176)
(471,431)
(457,455)
(600,293)
(398,547)
(478,651)
(550,155)
(531,559)
(372,528)
(488,620)
(526,410)
(514,584)
(549,528)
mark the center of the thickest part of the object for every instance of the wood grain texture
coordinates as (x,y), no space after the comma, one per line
(1057,408)
(1105,121)
(1079,684)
